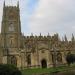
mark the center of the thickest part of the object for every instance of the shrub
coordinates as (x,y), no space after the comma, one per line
(7,69)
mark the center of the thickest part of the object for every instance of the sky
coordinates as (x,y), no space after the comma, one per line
(45,16)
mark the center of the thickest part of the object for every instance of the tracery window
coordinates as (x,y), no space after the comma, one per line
(11,42)
(59,57)
(52,57)
(11,27)
(13,60)
(29,59)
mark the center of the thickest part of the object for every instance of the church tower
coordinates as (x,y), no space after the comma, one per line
(11,32)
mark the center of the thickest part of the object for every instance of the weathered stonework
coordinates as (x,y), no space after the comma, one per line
(30,51)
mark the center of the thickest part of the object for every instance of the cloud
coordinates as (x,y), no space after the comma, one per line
(1,11)
(53,16)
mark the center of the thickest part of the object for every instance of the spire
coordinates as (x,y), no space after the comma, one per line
(4,3)
(72,37)
(4,9)
(31,34)
(18,4)
(48,34)
(40,34)
(66,39)
(62,39)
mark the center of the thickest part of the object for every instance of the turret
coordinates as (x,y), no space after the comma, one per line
(18,4)
(72,39)
(4,3)
(65,39)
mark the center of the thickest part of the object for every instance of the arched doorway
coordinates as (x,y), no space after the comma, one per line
(44,63)
(28,60)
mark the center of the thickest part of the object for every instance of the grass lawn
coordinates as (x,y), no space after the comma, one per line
(34,71)
(46,70)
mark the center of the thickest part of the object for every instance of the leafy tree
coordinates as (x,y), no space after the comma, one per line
(70,58)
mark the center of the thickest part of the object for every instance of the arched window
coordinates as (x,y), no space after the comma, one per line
(52,57)
(13,60)
(11,27)
(12,42)
(59,57)
(28,59)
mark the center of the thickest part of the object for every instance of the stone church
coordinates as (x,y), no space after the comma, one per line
(30,51)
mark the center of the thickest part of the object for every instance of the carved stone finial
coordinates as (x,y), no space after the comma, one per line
(4,3)
(18,4)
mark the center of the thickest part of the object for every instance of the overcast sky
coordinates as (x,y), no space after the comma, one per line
(45,16)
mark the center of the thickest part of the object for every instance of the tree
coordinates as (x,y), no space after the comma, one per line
(70,58)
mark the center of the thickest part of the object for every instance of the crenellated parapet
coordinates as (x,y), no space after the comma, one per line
(50,41)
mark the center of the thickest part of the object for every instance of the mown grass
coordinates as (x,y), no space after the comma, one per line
(47,70)
(34,71)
